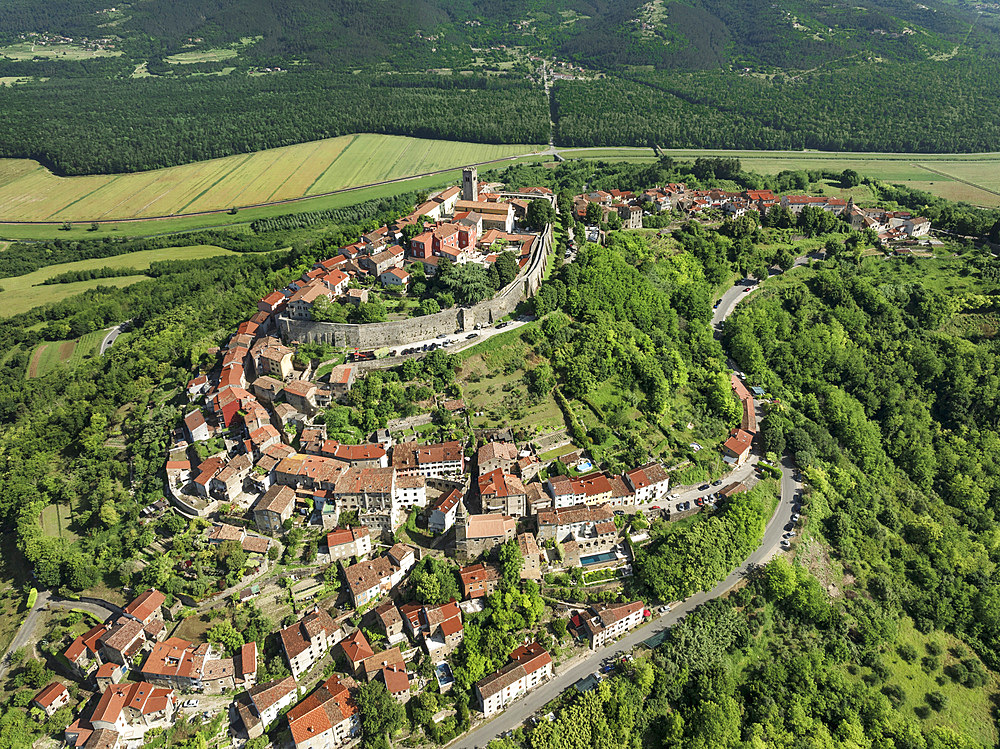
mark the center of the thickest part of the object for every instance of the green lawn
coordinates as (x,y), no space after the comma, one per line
(968,710)
(55,520)
(21,293)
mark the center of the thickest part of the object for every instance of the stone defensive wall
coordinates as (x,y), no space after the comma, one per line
(401,332)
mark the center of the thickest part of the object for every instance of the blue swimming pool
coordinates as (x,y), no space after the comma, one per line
(443,673)
(584,466)
(604,556)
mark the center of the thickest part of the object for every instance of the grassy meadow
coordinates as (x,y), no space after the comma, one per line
(973,178)
(29,192)
(30,50)
(21,293)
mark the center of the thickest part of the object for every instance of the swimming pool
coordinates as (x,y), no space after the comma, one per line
(443,673)
(604,556)
(584,465)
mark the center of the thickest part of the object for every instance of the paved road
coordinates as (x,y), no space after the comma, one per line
(24,635)
(460,341)
(109,339)
(101,611)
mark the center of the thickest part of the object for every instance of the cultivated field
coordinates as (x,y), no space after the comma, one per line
(202,55)
(29,51)
(29,192)
(974,178)
(53,353)
(21,293)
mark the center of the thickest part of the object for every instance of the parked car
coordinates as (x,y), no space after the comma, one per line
(795,517)
(717,483)
(790,534)
(704,487)
(654,507)
(502,325)
(789,526)
(786,544)
(664,609)
(471,336)
(700,501)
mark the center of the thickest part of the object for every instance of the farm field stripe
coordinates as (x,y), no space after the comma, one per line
(957,179)
(291,172)
(245,160)
(82,197)
(285,201)
(335,160)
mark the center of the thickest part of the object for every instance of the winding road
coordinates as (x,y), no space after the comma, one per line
(579,667)
(25,635)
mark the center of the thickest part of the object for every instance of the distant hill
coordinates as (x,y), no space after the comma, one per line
(604,34)
(156,83)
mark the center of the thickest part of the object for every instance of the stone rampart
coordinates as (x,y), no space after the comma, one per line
(401,332)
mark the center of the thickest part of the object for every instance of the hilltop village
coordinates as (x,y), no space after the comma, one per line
(406,541)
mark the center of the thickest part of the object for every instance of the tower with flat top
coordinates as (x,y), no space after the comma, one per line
(470,183)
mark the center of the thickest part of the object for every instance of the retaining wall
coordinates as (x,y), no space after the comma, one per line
(401,332)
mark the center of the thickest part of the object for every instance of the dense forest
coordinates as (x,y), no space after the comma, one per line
(873,75)
(855,109)
(83,126)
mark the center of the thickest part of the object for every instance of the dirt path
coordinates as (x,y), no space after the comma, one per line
(33,364)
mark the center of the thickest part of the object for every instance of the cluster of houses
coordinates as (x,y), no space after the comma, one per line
(485,499)
(468,224)
(889,225)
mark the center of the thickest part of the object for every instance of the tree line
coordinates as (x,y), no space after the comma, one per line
(957,110)
(199,118)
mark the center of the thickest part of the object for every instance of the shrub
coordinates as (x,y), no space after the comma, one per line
(907,652)
(937,701)
(934,648)
(895,694)
(930,664)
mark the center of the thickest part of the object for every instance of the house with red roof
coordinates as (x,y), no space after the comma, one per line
(439,627)
(51,698)
(306,641)
(479,580)
(356,649)
(649,482)
(529,666)
(397,682)
(128,710)
(273,302)
(83,653)
(344,543)
(443,513)
(328,717)
(602,623)
(260,705)
(736,449)
(395,278)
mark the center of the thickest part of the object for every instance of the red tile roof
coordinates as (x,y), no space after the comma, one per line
(50,694)
(146,604)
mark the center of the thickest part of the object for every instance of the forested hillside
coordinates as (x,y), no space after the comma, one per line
(884,373)
(195,79)
(137,125)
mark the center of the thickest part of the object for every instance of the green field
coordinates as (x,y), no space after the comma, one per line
(51,354)
(29,192)
(20,293)
(969,710)
(973,178)
(29,51)
(55,520)
(202,55)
